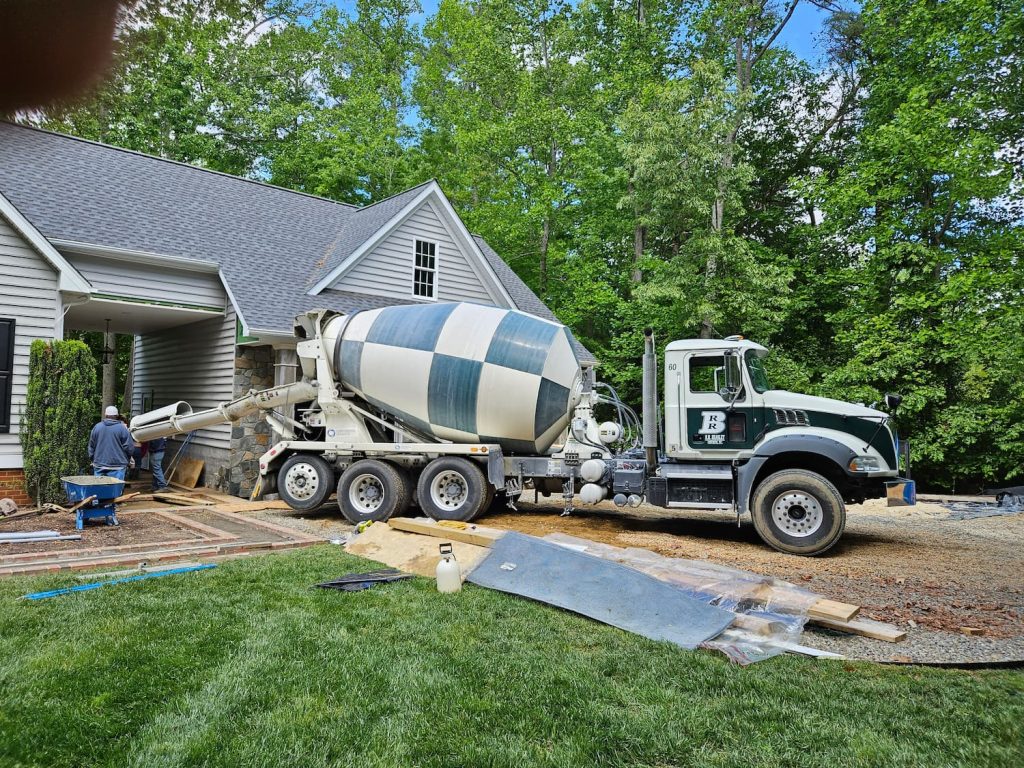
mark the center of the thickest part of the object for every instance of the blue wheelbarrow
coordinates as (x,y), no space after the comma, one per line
(98,493)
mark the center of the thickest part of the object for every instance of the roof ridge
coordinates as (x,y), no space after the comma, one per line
(397,194)
(190,166)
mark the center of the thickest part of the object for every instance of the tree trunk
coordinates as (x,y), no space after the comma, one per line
(545,238)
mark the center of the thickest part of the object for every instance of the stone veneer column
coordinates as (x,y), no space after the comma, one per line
(250,437)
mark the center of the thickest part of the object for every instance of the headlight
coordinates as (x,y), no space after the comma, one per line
(864,464)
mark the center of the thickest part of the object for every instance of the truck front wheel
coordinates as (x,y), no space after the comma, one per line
(372,490)
(798,512)
(452,488)
(304,481)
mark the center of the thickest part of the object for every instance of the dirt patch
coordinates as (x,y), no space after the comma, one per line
(901,564)
(137,528)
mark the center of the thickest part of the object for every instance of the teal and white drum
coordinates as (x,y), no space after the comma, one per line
(461,372)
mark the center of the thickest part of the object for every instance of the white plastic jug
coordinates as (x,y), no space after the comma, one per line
(449,575)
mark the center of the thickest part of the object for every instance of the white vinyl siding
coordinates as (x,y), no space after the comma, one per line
(387,270)
(29,295)
(194,363)
(149,282)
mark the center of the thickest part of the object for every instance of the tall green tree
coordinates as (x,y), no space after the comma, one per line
(926,216)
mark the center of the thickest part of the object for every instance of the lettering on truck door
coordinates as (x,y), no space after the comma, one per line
(715,420)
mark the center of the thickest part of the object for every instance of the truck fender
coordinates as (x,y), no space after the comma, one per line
(823,446)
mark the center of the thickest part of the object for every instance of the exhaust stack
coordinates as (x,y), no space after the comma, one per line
(650,401)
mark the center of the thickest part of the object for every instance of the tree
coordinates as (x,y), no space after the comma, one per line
(60,410)
(925,217)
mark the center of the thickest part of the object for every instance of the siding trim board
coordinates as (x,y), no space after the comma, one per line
(137,257)
(158,303)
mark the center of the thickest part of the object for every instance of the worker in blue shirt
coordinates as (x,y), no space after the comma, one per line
(156,462)
(110,446)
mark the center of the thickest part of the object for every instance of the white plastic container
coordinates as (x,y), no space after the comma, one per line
(449,575)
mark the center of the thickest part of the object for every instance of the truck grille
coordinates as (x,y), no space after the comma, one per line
(791,418)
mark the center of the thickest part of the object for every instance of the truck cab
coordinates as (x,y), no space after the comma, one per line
(792,461)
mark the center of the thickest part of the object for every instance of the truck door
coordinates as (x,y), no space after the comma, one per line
(722,417)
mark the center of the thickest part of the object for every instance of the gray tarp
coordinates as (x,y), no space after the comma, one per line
(600,589)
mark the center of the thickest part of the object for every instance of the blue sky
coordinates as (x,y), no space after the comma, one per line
(800,34)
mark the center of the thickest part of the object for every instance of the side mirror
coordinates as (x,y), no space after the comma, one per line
(892,402)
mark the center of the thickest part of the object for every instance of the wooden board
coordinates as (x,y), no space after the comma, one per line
(410,552)
(833,610)
(179,499)
(471,534)
(186,471)
(876,630)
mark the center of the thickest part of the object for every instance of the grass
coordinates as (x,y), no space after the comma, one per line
(246,665)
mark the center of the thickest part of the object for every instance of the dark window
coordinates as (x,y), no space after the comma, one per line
(425,271)
(6,372)
(702,373)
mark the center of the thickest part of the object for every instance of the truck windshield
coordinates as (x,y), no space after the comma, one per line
(758,375)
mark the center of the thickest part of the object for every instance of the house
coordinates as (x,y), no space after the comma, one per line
(207,272)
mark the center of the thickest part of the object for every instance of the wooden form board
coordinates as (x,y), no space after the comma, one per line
(833,610)
(876,630)
(471,534)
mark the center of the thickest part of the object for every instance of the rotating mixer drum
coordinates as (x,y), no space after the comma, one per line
(462,372)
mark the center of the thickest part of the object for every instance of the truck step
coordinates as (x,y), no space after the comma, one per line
(696,471)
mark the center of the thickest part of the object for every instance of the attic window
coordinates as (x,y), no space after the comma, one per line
(424,277)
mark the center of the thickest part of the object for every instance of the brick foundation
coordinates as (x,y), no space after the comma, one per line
(12,486)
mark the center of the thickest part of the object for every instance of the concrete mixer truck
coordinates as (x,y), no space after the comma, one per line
(449,405)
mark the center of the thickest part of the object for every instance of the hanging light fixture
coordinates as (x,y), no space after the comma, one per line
(108,353)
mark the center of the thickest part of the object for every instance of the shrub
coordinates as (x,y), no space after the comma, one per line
(59,414)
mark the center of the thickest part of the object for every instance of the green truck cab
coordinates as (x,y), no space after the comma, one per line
(792,461)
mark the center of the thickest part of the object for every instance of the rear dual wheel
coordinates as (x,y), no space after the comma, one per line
(373,490)
(453,488)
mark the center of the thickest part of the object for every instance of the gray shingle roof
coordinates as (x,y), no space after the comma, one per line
(272,244)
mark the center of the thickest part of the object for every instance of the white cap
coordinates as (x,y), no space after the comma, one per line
(111,410)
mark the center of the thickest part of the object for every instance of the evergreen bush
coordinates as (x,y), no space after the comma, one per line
(60,410)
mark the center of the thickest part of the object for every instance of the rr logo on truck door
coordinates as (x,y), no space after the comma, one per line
(712,426)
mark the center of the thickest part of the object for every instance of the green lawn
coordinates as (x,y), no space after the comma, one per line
(246,665)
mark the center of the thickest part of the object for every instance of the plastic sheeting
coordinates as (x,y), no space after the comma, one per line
(768,614)
(598,588)
(1006,504)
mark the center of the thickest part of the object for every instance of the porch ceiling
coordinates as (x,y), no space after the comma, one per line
(131,317)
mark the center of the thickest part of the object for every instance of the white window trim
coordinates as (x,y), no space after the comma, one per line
(436,270)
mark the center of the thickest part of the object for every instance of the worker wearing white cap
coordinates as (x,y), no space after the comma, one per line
(110,445)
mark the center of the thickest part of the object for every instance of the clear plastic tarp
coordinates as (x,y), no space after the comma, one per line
(769,613)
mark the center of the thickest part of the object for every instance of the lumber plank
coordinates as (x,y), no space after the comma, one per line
(179,499)
(481,537)
(876,630)
(833,610)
